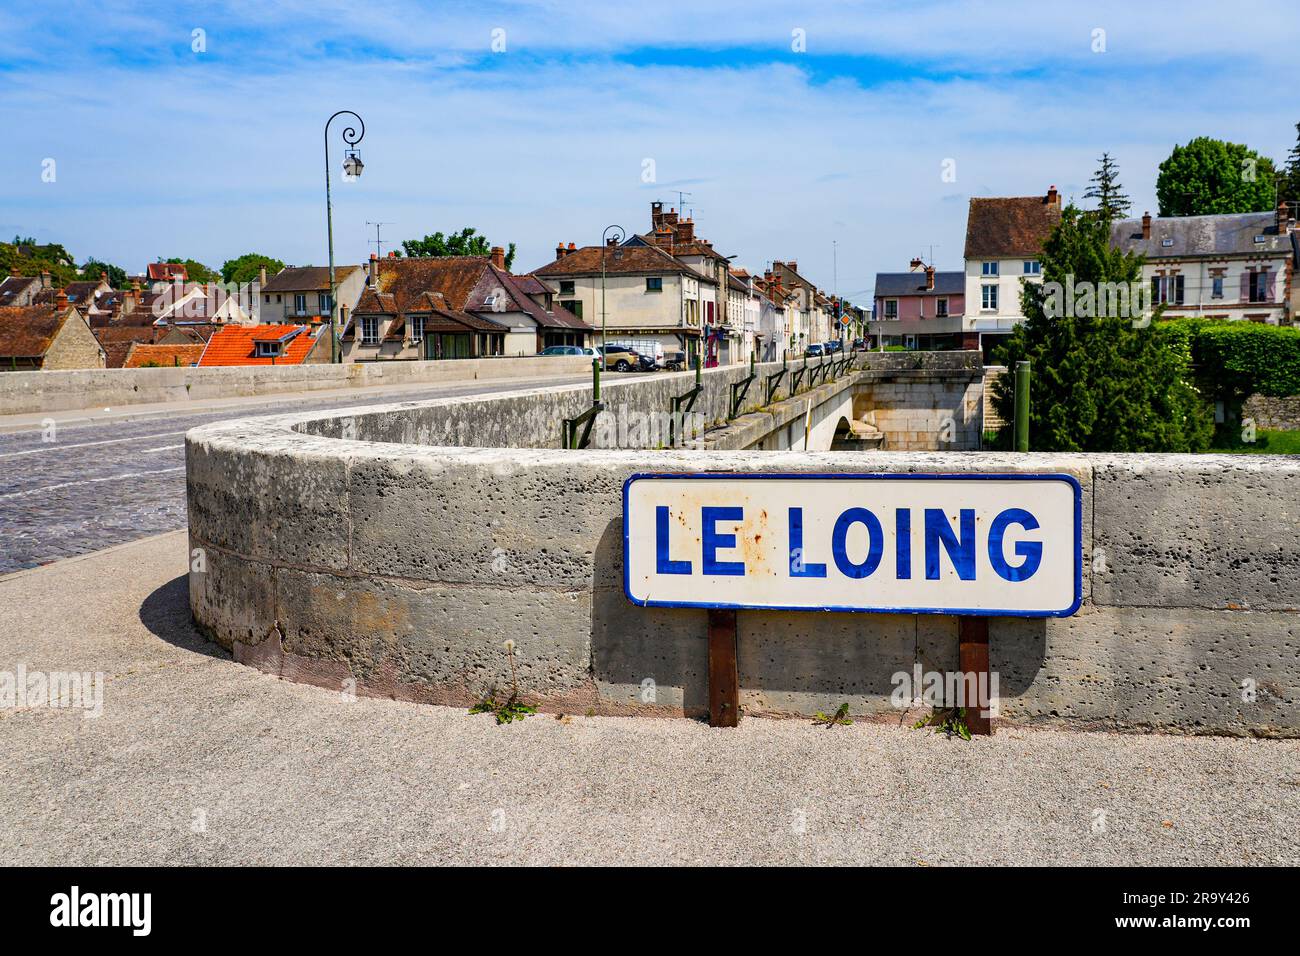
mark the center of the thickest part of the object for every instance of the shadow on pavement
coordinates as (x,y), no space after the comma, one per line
(166,613)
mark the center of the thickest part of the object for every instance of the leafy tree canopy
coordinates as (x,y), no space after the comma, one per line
(1103,382)
(1209,176)
(30,258)
(117,276)
(467,242)
(248,267)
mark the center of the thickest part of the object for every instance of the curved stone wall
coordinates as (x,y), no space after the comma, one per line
(345,550)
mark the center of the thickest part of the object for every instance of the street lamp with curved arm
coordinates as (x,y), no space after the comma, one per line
(352,167)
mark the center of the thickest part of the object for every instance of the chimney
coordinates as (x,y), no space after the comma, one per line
(499,258)
(392,254)
(61,301)
(103,276)
(261,277)
(373,278)
(792,266)
(559,250)
(656,214)
(1146,225)
(1282,217)
(686,230)
(1053,197)
(45,278)
(929,278)
(611,242)
(571,250)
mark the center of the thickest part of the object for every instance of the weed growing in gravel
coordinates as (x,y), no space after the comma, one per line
(841,717)
(508,710)
(946,720)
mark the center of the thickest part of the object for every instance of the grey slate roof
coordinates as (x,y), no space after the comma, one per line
(913,283)
(1228,234)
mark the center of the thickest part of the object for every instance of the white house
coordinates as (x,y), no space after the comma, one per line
(1004,237)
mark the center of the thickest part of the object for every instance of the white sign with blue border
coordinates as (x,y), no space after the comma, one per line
(996,545)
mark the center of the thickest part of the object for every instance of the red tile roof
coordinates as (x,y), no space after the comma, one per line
(142,355)
(166,271)
(233,345)
(26,331)
(1008,227)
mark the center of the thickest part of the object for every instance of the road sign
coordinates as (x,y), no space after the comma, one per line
(994,545)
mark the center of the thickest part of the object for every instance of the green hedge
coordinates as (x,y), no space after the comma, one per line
(1233,360)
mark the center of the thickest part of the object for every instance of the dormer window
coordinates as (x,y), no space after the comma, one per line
(1166,243)
(268,349)
(416,325)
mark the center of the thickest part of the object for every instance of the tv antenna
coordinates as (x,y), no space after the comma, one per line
(379,246)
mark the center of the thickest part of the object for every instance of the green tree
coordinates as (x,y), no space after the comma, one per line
(248,267)
(1112,203)
(1103,382)
(1289,185)
(467,242)
(196,271)
(92,267)
(1210,176)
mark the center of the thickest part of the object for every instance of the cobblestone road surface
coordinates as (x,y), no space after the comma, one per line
(94,485)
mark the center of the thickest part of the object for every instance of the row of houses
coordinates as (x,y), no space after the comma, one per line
(1229,266)
(666,287)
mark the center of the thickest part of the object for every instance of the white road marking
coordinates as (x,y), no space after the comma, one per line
(55,446)
(87,481)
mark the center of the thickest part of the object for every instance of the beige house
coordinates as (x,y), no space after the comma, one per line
(1230,266)
(648,295)
(301,294)
(47,337)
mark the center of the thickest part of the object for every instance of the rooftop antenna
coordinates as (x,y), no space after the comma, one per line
(379,246)
(681,203)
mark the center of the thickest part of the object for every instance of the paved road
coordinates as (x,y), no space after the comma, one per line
(198,760)
(115,479)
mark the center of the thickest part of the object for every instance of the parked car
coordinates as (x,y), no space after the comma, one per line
(647,348)
(562,350)
(815,350)
(620,358)
(834,345)
(675,360)
(859,345)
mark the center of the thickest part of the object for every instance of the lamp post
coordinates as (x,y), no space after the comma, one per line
(352,167)
(619,234)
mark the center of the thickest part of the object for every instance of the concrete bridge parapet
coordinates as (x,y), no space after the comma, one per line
(369,546)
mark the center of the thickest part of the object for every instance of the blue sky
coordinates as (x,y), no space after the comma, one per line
(161,149)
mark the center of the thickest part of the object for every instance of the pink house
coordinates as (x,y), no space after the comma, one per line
(919,309)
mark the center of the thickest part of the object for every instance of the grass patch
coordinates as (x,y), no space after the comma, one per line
(1268,441)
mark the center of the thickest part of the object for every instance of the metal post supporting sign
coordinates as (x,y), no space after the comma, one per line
(971,546)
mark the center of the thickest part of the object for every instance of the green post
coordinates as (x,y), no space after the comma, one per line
(595,381)
(1022,405)
(699,366)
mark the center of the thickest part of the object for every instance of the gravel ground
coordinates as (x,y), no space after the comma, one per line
(197,760)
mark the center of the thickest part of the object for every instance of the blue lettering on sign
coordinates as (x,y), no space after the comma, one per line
(662,564)
(939,538)
(1031,551)
(961,551)
(712,540)
(875,548)
(903,543)
(800,566)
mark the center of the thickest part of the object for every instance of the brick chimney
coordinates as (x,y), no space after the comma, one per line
(61,301)
(686,230)
(656,215)
(1283,217)
(929,278)
(792,266)
(261,277)
(670,217)
(499,258)
(372,278)
(559,250)
(571,250)
(1053,197)
(45,278)
(1146,225)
